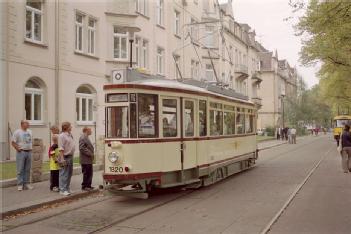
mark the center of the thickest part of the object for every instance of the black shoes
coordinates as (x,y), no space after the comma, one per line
(88,188)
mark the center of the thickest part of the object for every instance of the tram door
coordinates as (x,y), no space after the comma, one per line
(188,133)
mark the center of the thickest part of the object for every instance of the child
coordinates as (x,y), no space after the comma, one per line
(54,166)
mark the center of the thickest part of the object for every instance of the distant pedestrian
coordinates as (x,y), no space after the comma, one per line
(86,156)
(289,136)
(54,166)
(22,141)
(278,133)
(282,134)
(293,135)
(67,148)
(346,149)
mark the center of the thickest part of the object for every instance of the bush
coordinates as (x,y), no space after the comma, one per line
(270,131)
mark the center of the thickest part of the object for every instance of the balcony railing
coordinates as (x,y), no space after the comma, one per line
(256,77)
(240,68)
(257,101)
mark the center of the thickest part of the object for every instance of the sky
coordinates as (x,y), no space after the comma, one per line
(266,17)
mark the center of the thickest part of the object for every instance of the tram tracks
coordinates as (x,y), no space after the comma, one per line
(294,194)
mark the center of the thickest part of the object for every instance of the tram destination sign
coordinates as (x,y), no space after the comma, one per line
(117,97)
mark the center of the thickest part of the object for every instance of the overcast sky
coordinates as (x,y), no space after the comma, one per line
(267,18)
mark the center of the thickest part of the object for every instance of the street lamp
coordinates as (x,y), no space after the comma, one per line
(282,96)
(131,30)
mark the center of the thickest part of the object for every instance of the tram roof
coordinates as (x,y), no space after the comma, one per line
(187,86)
(136,79)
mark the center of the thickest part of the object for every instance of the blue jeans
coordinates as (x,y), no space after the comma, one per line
(66,174)
(23,165)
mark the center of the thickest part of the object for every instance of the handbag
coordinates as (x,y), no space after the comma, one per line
(340,144)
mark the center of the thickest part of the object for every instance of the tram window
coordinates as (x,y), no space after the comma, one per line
(117,122)
(240,123)
(189,118)
(133,120)
(147,115)
(202,118)
(249,124)
(215,105)
(340,123)
(169,117)
(216,122)
(229,123)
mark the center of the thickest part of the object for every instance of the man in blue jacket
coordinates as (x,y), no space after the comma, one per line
(346,149)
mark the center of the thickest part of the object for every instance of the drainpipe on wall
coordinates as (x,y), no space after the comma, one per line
(57,61)
(4,74)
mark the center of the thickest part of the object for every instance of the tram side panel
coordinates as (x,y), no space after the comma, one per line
(146,158)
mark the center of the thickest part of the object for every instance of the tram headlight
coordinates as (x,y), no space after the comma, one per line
(113,157)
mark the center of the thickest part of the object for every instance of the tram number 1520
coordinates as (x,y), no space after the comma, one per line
(116,169)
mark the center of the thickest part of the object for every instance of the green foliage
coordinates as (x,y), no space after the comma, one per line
(308,108)
(270,131)
(325,29)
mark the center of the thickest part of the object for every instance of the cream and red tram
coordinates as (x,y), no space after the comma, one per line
(166,133)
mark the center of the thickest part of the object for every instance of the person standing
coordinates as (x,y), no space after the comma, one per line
(278,133)
(293,135)
(66,148)
(86,156)
(346,149)
(22,141)
(289,136)
(54,166)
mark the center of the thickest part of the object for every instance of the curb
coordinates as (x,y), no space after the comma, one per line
(46,176)
(272,146)
(72,197)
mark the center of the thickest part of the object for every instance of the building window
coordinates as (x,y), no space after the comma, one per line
(160,9)
(209,72)
(79,32)
(34,21)
(194,33)
(194,69)
(141,7)
(34,102)
(120,47)
(177,66)
(209,36)
(176,23)
(85,105)
(160,61)
(91,36)
(145,54)
(137,51)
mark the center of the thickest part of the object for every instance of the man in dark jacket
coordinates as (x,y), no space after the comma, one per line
(346,149)
(86,155)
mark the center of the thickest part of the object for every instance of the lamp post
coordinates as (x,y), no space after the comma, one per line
(131,30)
(282,96)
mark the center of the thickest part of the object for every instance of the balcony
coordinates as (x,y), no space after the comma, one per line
(242,71)
(257,101)
(256,77)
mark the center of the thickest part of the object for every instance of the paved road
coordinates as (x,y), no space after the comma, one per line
(294,189)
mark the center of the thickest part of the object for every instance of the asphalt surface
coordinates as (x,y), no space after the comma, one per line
(293,189)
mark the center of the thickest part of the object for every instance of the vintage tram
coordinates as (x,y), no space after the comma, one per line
(164,133)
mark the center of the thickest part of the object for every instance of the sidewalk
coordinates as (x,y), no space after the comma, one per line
(13,201)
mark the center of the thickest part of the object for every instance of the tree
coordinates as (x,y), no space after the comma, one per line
(325,29)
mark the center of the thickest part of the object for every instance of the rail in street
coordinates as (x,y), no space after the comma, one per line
(294,188)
